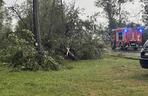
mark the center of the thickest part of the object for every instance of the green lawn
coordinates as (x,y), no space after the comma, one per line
(107,77)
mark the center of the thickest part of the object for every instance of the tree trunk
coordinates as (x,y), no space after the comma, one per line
(36,30)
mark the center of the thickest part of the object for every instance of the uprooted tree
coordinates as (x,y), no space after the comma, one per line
(114,12)
(61,29)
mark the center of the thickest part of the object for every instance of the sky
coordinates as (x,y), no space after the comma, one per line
(90,9)
(12,2)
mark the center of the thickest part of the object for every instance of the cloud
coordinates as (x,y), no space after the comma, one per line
(12,2)
(90,8)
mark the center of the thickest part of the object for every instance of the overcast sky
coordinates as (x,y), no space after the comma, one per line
(90,8)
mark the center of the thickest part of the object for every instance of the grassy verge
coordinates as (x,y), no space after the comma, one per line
(111,76)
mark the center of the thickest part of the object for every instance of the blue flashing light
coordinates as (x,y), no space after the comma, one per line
(125,30)
(140,30)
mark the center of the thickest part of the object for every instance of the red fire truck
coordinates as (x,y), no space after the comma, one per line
(125,38)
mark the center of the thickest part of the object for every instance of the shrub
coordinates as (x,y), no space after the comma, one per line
(89,51)
(21,53)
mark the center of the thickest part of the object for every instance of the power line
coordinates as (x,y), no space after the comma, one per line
(137,14)
(14,10)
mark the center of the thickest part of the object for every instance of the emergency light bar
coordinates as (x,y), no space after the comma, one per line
(125,30)
(140,29)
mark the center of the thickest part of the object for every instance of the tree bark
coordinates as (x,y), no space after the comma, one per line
(36,29)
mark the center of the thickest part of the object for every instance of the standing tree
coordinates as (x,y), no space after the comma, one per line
(145,15)
(1,14)
(145,20)
(113,9)
(110,10)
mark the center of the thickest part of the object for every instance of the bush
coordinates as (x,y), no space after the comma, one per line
(21,53)
(89,51)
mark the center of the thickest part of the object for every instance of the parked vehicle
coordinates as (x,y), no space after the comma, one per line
(125,38)
(144,56)
(145,34)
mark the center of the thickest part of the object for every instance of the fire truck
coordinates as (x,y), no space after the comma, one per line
(127,37)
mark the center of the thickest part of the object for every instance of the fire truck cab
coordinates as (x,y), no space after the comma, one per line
(125,38)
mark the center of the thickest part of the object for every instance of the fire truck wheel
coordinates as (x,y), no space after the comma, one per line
(122,48)
(113,46)
(125,48)
(135,48)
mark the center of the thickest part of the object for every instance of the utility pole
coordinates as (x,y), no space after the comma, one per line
(120,18)
(62,11)
(36,30)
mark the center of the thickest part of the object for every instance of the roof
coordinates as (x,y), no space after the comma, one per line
(118,29)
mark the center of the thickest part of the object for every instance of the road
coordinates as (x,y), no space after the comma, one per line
(128,53)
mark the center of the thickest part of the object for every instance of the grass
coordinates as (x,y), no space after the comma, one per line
(111,76)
